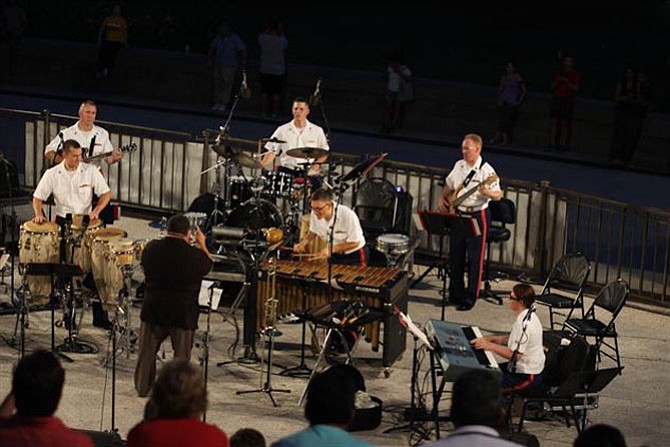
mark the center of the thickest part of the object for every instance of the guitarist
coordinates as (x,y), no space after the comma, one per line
(475,181)
(93,139)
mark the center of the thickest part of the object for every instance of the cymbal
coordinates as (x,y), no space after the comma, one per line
(225,150)
(307,152)
(273,140)
(246,160)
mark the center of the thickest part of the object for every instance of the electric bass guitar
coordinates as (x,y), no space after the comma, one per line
(455,200)
(132,147)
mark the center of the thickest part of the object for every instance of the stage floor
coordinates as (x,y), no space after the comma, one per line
(636,402)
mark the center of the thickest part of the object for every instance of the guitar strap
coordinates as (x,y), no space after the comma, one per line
(471,174)
(91,147)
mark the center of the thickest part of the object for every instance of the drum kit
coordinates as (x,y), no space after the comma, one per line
(246,204)
(88,248)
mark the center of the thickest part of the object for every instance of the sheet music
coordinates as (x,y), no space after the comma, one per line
(203,297)
(414,330)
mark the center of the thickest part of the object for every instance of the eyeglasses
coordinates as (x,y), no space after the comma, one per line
(320,208)
(513,298)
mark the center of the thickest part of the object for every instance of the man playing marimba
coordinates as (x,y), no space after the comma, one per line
(348,241)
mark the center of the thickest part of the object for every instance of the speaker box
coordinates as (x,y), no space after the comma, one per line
(104,438)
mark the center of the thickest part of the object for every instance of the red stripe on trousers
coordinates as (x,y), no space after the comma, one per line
(482,252)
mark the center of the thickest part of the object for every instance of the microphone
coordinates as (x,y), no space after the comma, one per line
(245,92)
(315,97)
(68,219)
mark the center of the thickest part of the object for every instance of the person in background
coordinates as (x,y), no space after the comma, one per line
(511,94)
(273,44)
(399,92)
(112,36)
(227,56)
(564,86)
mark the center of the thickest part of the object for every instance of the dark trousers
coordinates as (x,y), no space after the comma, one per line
(151,337)
(359,257)
(468,253)
(514,382)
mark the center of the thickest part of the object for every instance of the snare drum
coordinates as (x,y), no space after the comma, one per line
(39,243)
(393,245)
(79,247)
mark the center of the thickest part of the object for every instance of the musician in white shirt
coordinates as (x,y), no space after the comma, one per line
(86,133)
(348,241)
(470,172)
(297,133)
(523,347)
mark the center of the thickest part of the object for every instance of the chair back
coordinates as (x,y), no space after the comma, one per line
(565,360)
(571,271)
(503,211)
(377,204)
(612,297)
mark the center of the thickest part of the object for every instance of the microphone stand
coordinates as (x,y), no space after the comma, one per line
(12,228)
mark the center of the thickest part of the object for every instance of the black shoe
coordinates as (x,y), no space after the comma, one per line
(464,307)
(103,324)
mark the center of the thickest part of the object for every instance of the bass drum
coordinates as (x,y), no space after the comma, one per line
(255,214)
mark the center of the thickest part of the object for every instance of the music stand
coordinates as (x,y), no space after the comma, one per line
(444,224)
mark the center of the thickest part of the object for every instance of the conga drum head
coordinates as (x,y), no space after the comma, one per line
(78,222)
(44,227)
(110,233)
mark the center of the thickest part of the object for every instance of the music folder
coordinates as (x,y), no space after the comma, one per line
(203,296)
(436,222)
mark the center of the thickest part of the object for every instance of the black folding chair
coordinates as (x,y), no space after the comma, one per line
(609,302)
(564,287)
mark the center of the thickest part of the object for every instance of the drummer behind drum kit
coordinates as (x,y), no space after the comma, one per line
(244,205)
(106,253)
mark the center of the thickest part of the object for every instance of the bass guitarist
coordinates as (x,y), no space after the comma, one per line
(468,188)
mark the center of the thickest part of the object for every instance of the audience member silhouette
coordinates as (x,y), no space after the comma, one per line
(247,437)
(600,435)
(112,36)
(172,414)
(329,409)
(476,412)
(27,413)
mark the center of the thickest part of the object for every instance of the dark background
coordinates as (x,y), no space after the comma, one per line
(459,41)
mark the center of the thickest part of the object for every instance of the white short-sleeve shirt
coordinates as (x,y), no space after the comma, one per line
(482,171)
(347,227)
(84,138)
(309,136)
(531,345)
(72,190)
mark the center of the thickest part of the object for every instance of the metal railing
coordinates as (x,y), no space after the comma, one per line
(621,240)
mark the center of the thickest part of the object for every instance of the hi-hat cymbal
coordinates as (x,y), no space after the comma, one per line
(307,152)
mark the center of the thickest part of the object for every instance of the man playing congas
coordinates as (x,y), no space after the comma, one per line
(72,184)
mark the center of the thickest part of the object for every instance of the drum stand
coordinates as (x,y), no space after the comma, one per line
(204,360)
(126,341)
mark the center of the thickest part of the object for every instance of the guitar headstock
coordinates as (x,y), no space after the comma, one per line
(132,147)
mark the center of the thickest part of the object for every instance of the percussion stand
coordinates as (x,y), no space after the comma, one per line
(12,229)
(302,369)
